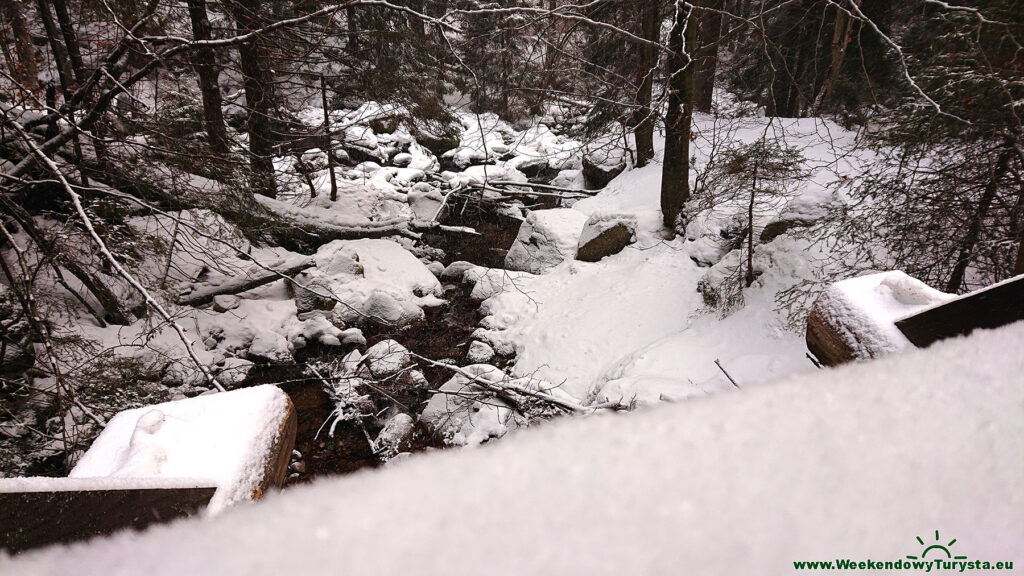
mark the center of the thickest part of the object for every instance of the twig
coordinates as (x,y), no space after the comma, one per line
(720,367)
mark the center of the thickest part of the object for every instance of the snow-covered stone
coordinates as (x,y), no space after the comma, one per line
(463,414)
(402,159)
(225,302)
(479,352)
(454,271)
(270,346)
(546,239)
(604,235)
(384,359)
(571,179)
(426,202)
(396,436)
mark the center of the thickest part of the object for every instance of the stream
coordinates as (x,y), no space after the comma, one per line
(445,335)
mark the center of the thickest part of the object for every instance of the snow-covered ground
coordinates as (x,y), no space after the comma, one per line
(854,462)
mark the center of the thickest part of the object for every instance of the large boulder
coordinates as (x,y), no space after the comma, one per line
(604,235)
(597,175)
(546,239)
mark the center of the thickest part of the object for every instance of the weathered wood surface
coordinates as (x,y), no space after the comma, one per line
(204,293)
(986,308)
(280,455)
(824,340)
(34,519)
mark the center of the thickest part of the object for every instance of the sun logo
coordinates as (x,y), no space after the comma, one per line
(937,548)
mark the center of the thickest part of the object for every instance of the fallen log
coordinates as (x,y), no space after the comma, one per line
(204,293)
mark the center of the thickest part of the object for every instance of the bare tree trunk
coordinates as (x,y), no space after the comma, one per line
(70,39)
(206,65)
(60,53)
(258,95)
(841,35)
(353,30)
(956,279)
(708,38)
(675,175)
(26,70)
(643,130)
(750,230)
(328,142)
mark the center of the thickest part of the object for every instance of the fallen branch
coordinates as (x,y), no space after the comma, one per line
(508,389)
(204,293)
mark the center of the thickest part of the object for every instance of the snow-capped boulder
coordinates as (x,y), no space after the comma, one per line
(546,238)
(455,271)
(396,436)
(402,159)
(479,352)
(383,359)
(225,302)
(604,235)
(427,202)
(374,280)
(570,179)
(271,347)
(598,175)
(463,413)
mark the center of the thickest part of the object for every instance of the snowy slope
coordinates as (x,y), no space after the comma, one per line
(854,462)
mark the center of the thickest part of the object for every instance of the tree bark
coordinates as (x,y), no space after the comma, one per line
(26,70)
(841,34)
(257,83)
(956,278)
(206,65)
(708,37)
(643,130)
(675,178)
(67,30)
(60,53)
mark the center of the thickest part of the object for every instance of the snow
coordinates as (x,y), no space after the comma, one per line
(463,414)
(359,207)
(864,309)
(373,279)
(546,238)
(386,358)
(48,484)
(598,223)
(224,438)
(853,462)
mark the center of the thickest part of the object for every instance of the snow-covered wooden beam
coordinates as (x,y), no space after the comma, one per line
(36,512)
(990,307)
(877,314)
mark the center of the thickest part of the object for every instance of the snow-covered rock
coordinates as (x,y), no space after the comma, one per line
(426,202)
(462,413)
(546,239)
(479,352)
(374,280)
(270,346)
(604,235)
(225,302)
(396,436)
(383,359)
(571,179)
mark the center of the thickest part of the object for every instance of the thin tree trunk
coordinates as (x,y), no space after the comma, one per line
(750,230)
(328,142)
(60,53)
(70,39)
(353,30)
(206,65)
(709,35)
(841,35)
(643,130)
(956,279)
(25,70)
(256,82)
(675,175)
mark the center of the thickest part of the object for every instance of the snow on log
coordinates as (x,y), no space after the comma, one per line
(238,441)
(855,319)
(255,277)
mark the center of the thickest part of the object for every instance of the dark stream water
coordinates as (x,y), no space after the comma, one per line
(445,335)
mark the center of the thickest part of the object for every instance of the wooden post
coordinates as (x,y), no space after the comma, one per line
(328,142)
